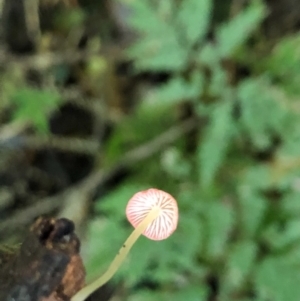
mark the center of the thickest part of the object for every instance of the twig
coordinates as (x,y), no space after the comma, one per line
(65,144)
(43,61)
(11,130)
(13,134)
(32,19)
(72,145)
(46,60)
(87,187)
(139,154)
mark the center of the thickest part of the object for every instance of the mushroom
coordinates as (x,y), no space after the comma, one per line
(153,213)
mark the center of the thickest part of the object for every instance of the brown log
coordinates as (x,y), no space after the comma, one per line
(46,267)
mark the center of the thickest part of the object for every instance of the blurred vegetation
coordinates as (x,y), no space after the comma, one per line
(196,97)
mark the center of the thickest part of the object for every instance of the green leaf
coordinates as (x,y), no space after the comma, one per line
(219,219)
(175,164)
(166,9)
(279,237)
(209,56)
(284,63)
(219,81)
(158,47)
(194,17)
(212,149)
(176,91)
(148,295)
(263,112)
(290,205)
(190,292)
(149,120)
(158,54)
(240,261)
(199,292)
(104,239)
(70,19)
(278,279)
(115,202)
(145,253)
(257,177)
(252,209)
(187,245)
(144,18)
(33,105)
(233,34)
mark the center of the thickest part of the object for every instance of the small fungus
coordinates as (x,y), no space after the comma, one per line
(153,213)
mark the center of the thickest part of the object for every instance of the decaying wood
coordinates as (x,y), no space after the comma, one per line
(46,267)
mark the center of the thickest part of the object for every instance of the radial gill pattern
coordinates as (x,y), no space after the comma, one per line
(141,204)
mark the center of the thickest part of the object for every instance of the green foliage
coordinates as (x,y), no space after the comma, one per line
(99,253)
(252,207)
(214,145)
(278,278)
(159,47)
(219,222)
(135,129)
(233,34)
(192,292)
(240,261)
(236,177)
(194,18)
(264,112)
(165,255)
(177,90)
(284,63)
(70,19)
(237,212)
(32,105)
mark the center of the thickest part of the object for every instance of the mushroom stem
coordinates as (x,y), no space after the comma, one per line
(124,250)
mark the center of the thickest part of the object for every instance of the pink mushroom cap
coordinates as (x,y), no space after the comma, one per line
(141,204)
